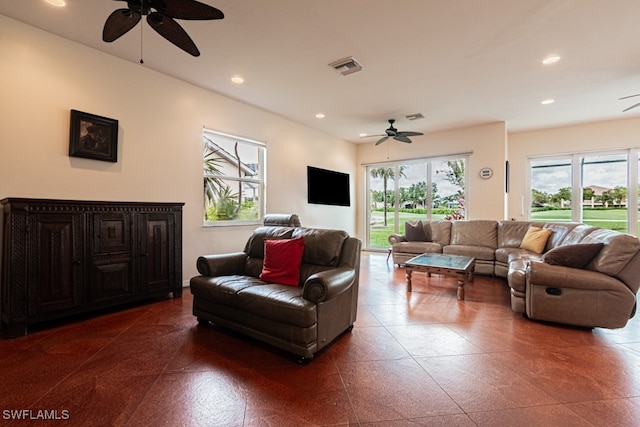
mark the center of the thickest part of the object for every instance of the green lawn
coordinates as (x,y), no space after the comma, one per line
(613,219)
(379,233)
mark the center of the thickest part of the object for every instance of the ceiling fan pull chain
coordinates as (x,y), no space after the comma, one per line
(141,27)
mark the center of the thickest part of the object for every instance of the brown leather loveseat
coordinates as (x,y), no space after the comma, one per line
(301,317)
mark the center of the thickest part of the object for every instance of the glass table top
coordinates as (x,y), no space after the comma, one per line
(457,262)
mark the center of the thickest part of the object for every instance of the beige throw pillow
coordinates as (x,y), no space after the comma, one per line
(536,239)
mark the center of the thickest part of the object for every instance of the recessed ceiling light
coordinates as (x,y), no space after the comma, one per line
(58,3)
(237,80)
(362,135)
(551,59)
(548,101)
(320,116)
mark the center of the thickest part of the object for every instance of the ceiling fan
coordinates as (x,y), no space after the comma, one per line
(634,105)
(392,132)
(161,16)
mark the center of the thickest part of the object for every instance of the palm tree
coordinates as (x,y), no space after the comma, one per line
(386,174)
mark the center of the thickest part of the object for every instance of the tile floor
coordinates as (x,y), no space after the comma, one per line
(419,359)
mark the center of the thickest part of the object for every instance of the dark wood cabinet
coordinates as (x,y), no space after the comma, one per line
(62,257)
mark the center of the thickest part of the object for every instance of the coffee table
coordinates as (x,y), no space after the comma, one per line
(458,266)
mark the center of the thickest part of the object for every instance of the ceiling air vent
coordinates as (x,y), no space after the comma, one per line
(346,66)
(415,116)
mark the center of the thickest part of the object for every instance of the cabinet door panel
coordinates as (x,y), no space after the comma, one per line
(55,277)
(111,277)
(112,233)
(157,270)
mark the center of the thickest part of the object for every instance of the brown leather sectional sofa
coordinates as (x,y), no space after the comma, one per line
(544,286)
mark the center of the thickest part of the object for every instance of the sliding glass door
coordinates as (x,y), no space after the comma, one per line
(412,190)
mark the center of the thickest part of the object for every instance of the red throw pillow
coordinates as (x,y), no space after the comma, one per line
(282,260)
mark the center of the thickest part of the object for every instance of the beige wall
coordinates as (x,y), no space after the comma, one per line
(161,120)
(160,145)
(486,145)
(596,136)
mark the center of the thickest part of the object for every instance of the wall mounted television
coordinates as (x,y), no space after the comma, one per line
(326,187)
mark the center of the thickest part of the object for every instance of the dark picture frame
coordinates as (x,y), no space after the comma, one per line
(93,137)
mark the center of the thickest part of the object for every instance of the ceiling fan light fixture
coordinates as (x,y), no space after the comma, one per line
(57,3)
(551,59)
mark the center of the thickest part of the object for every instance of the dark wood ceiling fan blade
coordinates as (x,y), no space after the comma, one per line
(632,107)
(118,23)
(402,138)
(187,9)
(381,140)
(629,96)
(173,32)
(409,133)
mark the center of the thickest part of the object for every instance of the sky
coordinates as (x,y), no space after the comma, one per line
(597,170)
(417,172)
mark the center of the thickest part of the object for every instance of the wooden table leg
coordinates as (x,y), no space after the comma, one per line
(408,271)
(460,290)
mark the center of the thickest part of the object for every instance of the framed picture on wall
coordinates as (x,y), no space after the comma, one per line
(93,137)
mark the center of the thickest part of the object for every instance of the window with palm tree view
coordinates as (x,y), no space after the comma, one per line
(593,188)
(425,189)
(233,179)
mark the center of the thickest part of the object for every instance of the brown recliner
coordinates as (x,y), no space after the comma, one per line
(300,319)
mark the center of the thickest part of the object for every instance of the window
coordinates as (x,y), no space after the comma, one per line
(551,188)
(233,174)
(412,190)
(593,188)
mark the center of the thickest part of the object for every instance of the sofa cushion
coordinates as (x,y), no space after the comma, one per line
(222,289)
(282,259)
(535,239)
(255,245)
(475,233)
(439,231)
(576,256)
(618,250)
(414,232)
(578,233)
(321,247)
(480,253)
(505,255)
(278,303)
(511,233)
(417,247)
(559,231)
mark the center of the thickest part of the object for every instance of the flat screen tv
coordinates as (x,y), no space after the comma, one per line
(325,187)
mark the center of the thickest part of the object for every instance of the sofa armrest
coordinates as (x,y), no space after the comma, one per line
(324,285)
(396,238)
(558,276)
(221,264)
